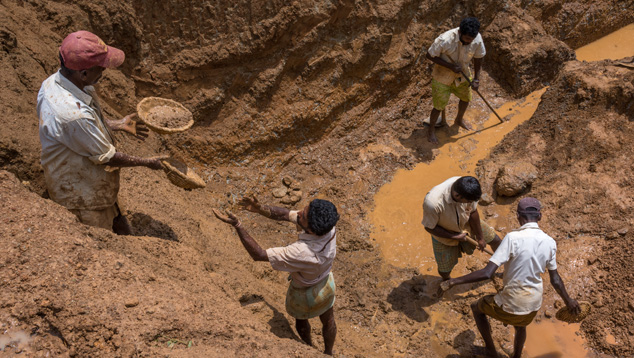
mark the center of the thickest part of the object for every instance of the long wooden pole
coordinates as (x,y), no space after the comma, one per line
(481,96)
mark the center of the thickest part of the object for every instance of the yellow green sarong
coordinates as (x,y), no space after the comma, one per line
(313,301)
(447,256)
(440,93)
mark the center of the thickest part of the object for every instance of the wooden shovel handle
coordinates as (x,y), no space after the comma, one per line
(473,242)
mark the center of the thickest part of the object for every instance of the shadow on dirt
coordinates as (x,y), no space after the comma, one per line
(411,296)
(417,142)
(145,225)
(278,323)
(423,149)
(464,344)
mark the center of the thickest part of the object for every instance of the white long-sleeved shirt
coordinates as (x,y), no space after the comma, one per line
(76,144)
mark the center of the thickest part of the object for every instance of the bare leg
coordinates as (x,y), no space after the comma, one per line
(303,328)
(520,338)
(329,330)
(443,119)
(485,329)
(495,242)
(462,107)
(433,118)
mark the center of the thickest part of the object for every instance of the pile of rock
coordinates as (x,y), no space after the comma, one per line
(290,193)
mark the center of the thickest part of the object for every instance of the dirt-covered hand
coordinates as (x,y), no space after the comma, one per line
(155,162)
(457,68)
(250,204)
(475,84)
(482,244)
(574,307)
(445,285)
(136,128)
(229,218)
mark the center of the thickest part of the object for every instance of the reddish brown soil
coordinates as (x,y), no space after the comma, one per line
(308,91)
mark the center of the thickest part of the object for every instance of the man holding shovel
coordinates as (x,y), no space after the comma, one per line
(451,53)
(526,254)
(447,209)
(80,161)
(309,260)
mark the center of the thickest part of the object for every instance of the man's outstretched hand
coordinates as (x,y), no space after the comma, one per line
(132,126)
(250,204)
(229,218)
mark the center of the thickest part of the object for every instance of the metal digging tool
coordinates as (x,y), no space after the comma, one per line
(481,96)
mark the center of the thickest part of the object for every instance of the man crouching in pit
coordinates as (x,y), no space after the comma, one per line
(311,292)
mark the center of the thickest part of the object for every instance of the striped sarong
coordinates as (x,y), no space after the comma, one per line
(313,301)
(447,256)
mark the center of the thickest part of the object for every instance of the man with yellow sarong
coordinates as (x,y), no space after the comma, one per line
(309,260)
(452,53)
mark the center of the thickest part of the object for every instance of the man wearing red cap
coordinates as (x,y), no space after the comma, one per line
(526,254)
(81,164)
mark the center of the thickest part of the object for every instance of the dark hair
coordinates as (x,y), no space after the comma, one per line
(322,216)
(530,214)
(470,26)
(468,188)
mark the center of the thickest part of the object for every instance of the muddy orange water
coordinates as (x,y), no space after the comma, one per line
(398,204)
(614,46)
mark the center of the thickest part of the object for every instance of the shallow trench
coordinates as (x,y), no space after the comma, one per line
(398,209)
(326,94)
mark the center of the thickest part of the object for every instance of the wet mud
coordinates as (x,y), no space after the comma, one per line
(326,100)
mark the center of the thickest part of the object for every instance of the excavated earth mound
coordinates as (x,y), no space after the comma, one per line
(580,141)
(328,95)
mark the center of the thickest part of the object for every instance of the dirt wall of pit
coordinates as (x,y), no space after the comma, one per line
(327,93)
(579,142)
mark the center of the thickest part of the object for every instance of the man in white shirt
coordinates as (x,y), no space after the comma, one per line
(80,161)
(311,292)
(452,53)
(526,253)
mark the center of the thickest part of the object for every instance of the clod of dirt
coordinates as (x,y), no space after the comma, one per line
(290,199)
(287,181)
(168,117)
(279,192)
(485,200)
(513,179)
(132,302)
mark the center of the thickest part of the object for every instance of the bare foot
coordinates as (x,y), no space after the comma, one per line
(431,137)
